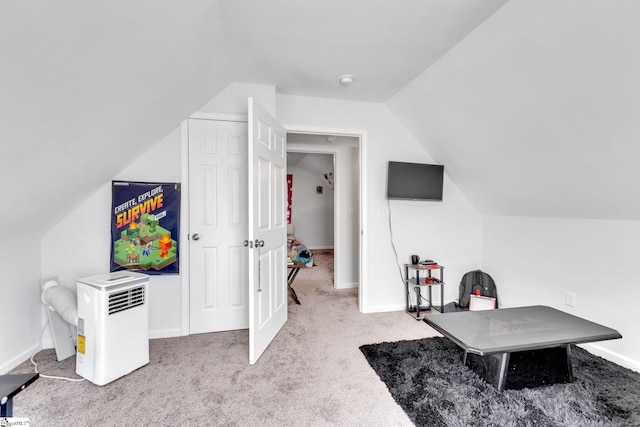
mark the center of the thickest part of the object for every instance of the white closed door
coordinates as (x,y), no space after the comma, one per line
(267,230)
(218,225)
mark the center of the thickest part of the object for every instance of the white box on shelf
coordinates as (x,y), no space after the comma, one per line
(477,303)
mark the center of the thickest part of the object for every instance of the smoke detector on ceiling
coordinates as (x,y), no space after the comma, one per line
(346,80)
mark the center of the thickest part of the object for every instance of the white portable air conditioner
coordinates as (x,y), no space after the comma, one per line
(113,325)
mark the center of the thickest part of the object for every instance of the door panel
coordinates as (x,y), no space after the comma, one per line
(210,283)
(218,215)
(267,227)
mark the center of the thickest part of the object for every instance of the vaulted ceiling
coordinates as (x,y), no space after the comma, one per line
(530,104)
(536,112)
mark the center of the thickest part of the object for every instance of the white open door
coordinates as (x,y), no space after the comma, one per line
(267,230)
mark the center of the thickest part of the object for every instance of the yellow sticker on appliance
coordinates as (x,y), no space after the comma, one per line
(81,343)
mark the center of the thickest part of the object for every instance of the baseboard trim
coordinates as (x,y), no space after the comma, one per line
(48,343)
(165,333)
(18,359)
(346,285)
(382,308)
(611,356)
(394,307)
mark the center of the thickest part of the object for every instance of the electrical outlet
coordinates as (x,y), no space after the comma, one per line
(571,299)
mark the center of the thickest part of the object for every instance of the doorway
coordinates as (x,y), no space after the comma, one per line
(224,175)
(348,215)
(312,151)
(310,207)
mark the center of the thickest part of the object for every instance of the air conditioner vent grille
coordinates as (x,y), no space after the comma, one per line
(124,300)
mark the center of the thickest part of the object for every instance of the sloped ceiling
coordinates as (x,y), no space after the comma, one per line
(316,163)
(531,105)
(536,112)
(86,87)
(303,47)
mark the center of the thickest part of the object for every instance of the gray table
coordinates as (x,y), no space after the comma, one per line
(522,346)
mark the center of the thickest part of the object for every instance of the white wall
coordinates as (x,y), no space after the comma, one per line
(312,213)
(546,86)
(347,255)
(159,164)
(162,163)
(544,93)
(20,300)
(536,261)
(449,231)
(233,99)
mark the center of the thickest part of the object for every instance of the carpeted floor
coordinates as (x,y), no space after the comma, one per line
(427,379)
(312,374)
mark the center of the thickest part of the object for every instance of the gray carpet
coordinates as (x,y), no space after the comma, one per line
(428,380)
(313,374)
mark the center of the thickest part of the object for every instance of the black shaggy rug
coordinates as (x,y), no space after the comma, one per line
(428,380)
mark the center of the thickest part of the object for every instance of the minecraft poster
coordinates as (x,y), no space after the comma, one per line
(145,219)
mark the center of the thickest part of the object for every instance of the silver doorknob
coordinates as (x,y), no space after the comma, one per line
(195,236)
(259,243)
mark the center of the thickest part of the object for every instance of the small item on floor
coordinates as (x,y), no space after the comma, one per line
(298,252)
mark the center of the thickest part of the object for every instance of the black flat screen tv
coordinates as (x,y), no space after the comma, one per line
(415,181)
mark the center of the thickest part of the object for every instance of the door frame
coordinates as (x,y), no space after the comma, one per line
(361,136)
(290,128)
